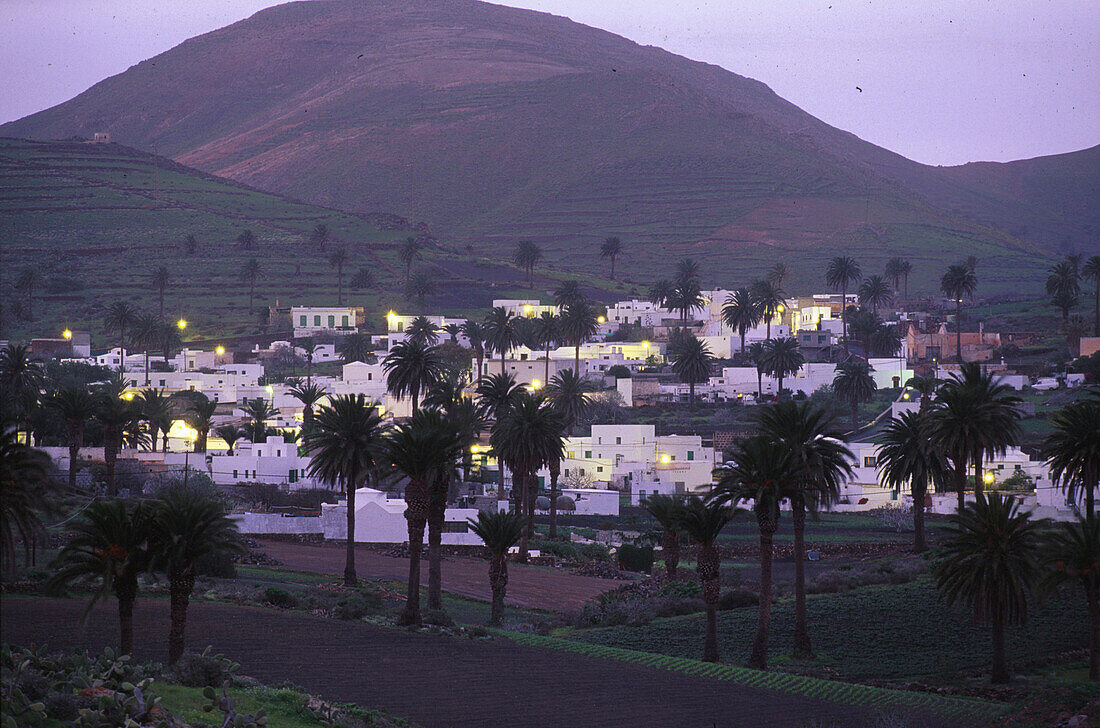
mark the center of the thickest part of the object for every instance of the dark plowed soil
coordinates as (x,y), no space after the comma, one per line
(528,586)
(433,680)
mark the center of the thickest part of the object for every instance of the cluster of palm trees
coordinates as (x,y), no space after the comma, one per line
(864,324)
(144,331)
(350,447)
(1063,285)
(116,541)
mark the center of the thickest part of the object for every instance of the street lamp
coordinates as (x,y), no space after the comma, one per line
(192,435)
(601,319)
(67,334)
(988,477)
(182,324)
(536,384)
(528,309)
(220,351)
(666,459)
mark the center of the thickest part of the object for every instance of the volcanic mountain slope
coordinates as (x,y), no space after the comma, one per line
(494,124)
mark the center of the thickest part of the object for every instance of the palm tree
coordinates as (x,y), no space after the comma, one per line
(691,362)
(412,368)
(188,527)
(568,395)
(354,347)
(907,457)
(344,447)
(115,415)
(418,450)
(741,313)
(777,275)
(842,272)
(782,357)
(854,384)
(686,296)
(120,316)
(1072,451)
(309,395)
(499,532)
(546,332)
(230,434)
(200,416)
(569,293)
(875,292)
(578,323)
(1073,554)
(449,450)
(146,336)
(894,268)
(885,340)
(153,407)
(75,406)
(959,282)
(190,244)
(111,542)
(25,283)
(468,422)
(249,274)
(409,253)
(309,348)
(159,283)
(611,248)
(1091,271)
(169,339)
(475,334)
(259,411)
(1064,285)
(926,387)
(500,332)
(978,413)
(756,353)
(667,510)
(496,392)
(246,240)
(703,523)
(421,285)
(25,486)
(527,256)
(337,260)
(423,331)
(822,462)
(319,236)
(759,474)
(363,278)
(527,435)
(769,302)
(660,293)
(990,563)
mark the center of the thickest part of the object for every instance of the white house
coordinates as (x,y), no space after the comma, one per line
(639,313)
(381,519)
(310,320)
(524,307)
(274,461)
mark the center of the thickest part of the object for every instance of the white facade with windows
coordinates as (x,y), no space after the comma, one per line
(310,320)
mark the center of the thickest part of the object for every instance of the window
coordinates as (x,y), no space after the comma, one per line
(618,441)
(869,461)
(567,472)
(162,383)
(599,469)
(456,527)
(293,476)
(587,455)
(301,320)
(571,454)
(332,322)
(641,495)
(316,320)
(234,473)
(343,320)
(691,454)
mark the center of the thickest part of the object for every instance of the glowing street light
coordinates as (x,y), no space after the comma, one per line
(645,344)
(905,395)
(988,477)
(475,449)
(666,459)
(528,309)
(536,384)
(67,334)
(128,396)
(601,319)
(182,324)
(220,351)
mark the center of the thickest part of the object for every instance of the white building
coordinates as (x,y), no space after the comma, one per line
(524,307)
(310,320)
(639,313)
(274,461)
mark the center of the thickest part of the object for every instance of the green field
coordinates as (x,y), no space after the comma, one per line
(871,633)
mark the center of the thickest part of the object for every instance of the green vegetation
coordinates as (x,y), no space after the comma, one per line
(872,633)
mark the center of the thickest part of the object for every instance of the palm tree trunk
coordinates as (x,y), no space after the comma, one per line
(521,509)
(126,588)
(555,471)
(710,576)
(758,658)
(960,481)
(437,515)
(920,491)
(121,350)
(671,547)
(802,647)
(146,365)
(416,512)
(1092,596)
(577,359)
(855,415)
(180,586)
(844,315)
(546,371)
(759,383)
(742,343)
(350,577)
(498,581)
(110,456)
(340,285)
(1000,660)
(162,303)
(612,267)
(691,394)
(958,330)
(502,363)
(75,441)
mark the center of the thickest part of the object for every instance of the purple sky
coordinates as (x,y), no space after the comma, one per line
(942,82)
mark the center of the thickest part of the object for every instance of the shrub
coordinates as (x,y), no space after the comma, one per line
(277,597)
(619,372)
(683,589)
(595,552)
(438,617)
(357,606)
(669,607)
(200,671)
(738,598)
(636,558)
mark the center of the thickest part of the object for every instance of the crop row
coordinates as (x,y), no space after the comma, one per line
(810,687)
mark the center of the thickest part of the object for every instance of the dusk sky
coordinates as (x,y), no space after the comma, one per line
(940,82)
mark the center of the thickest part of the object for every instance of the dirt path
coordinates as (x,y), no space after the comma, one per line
(435,681)
(528,586)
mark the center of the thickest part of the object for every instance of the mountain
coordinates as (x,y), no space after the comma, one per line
(493,124)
